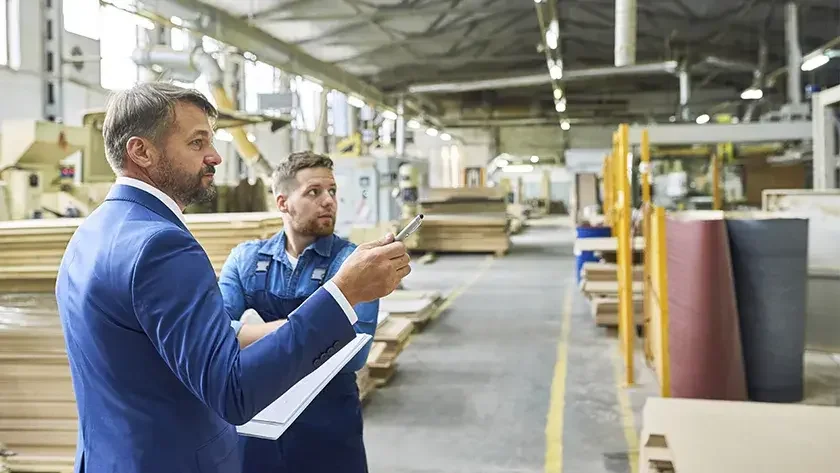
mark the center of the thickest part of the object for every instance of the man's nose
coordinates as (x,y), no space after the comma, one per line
(214,159)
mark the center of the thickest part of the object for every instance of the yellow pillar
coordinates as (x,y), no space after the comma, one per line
(627,326)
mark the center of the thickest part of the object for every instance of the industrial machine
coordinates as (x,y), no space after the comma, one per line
(367,187)
(37,180)
(36,183)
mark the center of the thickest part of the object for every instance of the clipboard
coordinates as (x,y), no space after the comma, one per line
(272,422)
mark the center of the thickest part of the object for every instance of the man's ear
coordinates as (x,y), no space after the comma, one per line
(282,203)
(140,151)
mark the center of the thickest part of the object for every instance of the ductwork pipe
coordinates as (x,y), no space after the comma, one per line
(667,67)
(625,32)
(202,63)
(794,53)
(685,94)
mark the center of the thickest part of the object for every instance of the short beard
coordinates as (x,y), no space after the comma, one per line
(311,228)
(186,189)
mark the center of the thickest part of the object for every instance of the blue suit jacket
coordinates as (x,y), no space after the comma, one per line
(158,375)
(239,283)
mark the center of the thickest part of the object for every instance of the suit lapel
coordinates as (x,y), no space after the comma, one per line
(141,197)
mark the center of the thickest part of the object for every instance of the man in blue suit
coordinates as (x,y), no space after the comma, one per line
(274,277)
(159,376)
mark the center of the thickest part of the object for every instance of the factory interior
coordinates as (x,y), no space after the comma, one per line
(625,262)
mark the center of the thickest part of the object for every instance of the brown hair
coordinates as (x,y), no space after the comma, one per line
(283,180)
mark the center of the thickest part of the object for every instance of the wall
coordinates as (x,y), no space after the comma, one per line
(532,183)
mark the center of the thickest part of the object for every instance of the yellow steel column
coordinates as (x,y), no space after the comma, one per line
(662,287)
(647,208)
(627,325)
(716,194)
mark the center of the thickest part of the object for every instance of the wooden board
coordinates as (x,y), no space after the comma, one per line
(737,437)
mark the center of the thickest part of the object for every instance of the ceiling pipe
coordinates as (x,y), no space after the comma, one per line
(531,80)
(625,32)
(685,94)
(794,53)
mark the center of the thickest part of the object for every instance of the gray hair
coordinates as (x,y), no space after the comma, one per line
(146,110)
(283,179)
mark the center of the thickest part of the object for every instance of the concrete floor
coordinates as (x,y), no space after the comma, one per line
(496,386)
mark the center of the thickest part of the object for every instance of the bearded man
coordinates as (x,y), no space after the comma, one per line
(274,277)
(159,377)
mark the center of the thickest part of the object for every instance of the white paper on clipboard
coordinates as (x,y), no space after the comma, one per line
(271,422)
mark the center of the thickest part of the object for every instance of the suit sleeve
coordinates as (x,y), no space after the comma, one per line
(366,312)
(178,303)
(230,284)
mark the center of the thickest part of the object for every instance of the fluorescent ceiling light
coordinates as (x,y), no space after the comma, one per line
(703,119)
(413,124)
(355,101)
(445,136)
(565,125)
(501,162)
(558,94)
(814,62)
(555,71)
(752,94)
(389,115)
(176,21)
(251,137)
(560,106)
(535,159)
(431,132)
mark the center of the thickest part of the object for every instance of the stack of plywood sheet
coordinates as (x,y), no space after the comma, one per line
(599,282)
(466,233)
(465,220)
(417,306)
(38,417)
(31,250)
(365,383)
(700,436)
(219,233)
(392,336)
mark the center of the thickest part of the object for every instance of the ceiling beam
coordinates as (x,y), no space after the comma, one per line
(227,28)
(388,13)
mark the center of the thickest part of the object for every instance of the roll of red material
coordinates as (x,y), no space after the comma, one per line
(704,333)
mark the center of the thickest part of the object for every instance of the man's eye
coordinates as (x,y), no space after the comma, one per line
(313,192)
(197,143)
(332,192)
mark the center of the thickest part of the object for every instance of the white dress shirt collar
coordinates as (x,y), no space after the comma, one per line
(161,196)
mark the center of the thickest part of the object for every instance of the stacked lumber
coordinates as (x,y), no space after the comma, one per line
(699,436)
(599,283)
(463,233)
(463,220)
(417,306)
(464,200)
(38,417)
(391,338)
(31,250)
(365,383)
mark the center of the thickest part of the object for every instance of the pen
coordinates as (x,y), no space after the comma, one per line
(412,227)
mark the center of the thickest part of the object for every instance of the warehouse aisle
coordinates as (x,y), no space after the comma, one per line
(473,392)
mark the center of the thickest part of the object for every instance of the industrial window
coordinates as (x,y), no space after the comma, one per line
(80,17)
(119,38)
(309,95)
(4,32)
(259,79)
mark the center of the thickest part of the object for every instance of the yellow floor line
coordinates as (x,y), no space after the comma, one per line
(463,287)
(628,419)
(557,401)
